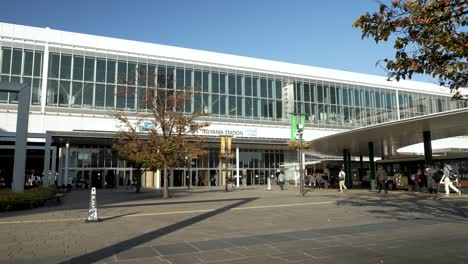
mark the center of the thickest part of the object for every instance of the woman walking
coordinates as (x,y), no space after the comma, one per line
(447,181)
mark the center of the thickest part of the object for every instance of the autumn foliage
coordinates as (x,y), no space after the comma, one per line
(162,137)
(430,37)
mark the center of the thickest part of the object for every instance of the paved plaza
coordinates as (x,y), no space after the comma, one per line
(248,225)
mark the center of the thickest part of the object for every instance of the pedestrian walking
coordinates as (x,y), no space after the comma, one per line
(381,177)
(432,183)
(281,180)
(341,177)
(448,179)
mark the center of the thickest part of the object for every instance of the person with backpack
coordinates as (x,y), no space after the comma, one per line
(341,177)
(281,180)
(448,179)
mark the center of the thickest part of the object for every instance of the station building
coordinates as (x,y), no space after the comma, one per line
(78,80)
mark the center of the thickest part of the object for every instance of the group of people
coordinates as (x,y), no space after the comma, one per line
(432,180)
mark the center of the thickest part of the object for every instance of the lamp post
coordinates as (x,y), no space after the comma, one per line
(300,131)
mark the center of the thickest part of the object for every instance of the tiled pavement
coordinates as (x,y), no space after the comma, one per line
(247,226)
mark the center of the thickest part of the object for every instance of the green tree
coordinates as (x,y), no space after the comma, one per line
(430,37)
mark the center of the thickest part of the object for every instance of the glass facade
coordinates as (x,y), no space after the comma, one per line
(23,65)
(105,82)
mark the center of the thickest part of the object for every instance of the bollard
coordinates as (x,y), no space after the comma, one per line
(93,212)
(269,184)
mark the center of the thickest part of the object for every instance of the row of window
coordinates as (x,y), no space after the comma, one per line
(104,83)
(101,70)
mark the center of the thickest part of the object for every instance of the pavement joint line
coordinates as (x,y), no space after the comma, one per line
(164,213)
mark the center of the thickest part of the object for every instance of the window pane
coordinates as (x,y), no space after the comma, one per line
(222,83)
(17,60)
(222,105)
(151,75)
(131,72)
(279,109)
(142,74)
(170,78)
(214,82)
(54,63)
(263,88)
(215,104)
(179,78)
(38,63)
(264,107)
(162,77)
(188,78)
(65,67)
(77,68)
(89,69)
(232,84)
(141,104)
(76,96)
(28,62)
(122,72)
(52,92)
(239,84)
(121,97)
(198,81)
(248,106)
(36,91)
(255,107)
(99,94)
(88,96)
(64,93)
(131,98)
(255,87)
(232,106)
(110,94)
(278,88)
(205,81)
(239,106)
(270,88)
(6,59)
(110,71)
(306,92)
(101,70)
(248,88)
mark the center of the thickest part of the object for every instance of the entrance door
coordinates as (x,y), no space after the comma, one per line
(178,177)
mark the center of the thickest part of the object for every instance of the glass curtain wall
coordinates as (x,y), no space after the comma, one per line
(23,65)
(103,82)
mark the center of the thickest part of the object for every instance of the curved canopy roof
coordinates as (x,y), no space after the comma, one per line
(389,137)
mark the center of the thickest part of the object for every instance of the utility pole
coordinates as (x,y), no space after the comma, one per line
(300,131)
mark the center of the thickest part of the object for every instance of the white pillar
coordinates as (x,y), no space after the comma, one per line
(53,171)
(158,179)
(269,183)
(60,175)
(67,160)
(237,167)
(46,171)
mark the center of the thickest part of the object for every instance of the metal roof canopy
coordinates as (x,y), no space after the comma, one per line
(389,137)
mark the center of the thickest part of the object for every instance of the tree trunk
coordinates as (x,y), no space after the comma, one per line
(166,183)
(138,181)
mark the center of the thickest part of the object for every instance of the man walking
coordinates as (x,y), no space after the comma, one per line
(341,177)
(281,179)
(381,175)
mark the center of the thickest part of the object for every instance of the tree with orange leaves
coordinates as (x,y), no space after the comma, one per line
(162,137)
(430,38)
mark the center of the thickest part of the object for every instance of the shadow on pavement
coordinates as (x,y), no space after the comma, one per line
(133,242)
(403,206)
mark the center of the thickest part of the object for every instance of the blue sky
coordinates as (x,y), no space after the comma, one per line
(310,32)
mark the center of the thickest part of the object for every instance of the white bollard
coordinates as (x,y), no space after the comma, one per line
(93,212)
(269,184)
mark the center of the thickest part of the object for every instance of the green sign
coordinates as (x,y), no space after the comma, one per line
(294,120)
